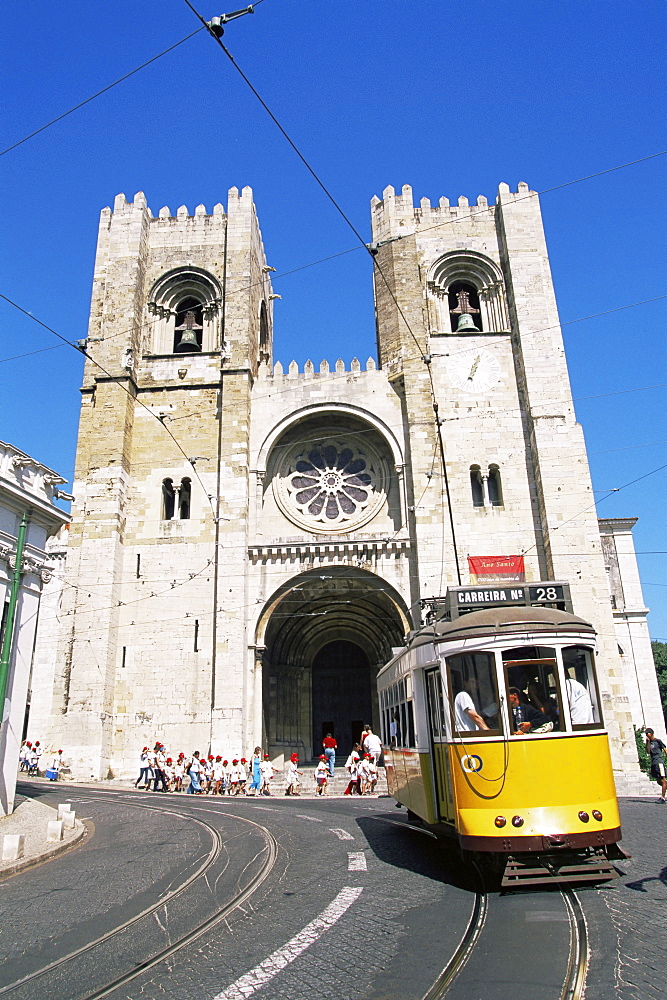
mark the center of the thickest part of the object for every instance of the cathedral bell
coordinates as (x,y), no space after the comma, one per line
(466,324)
(188,343)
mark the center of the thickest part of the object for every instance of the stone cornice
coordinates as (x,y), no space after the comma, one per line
(614,525)
(329,548)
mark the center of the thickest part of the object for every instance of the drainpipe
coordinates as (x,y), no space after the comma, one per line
(7,641)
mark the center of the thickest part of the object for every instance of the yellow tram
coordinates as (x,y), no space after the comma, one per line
(493,734)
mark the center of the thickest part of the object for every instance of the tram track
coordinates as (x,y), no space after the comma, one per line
(237,900)
(463,951)
(575,980)
(578,953)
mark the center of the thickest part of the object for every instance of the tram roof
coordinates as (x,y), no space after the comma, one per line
(496,621)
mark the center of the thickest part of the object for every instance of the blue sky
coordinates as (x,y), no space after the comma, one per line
(451,98)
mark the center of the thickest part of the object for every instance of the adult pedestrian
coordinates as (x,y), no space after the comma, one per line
(371,744)
(194,771)
(144,770)
(256,771)
(330,746)
(656,750)
(159,768)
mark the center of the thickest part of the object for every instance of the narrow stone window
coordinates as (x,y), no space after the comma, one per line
(168,499)
(189,326)
(263,335)
(184,500)
(476,486)
(495,487)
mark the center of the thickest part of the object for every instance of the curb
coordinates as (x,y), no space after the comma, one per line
(81,829)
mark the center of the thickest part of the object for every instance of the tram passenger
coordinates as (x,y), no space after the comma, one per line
(581,708)
(466,715)
(527,718)
(655,749)
(539,699)
(394,729)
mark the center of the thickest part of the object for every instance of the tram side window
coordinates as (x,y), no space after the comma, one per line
(531,670)
(581,687)
(398,721)
(473,693)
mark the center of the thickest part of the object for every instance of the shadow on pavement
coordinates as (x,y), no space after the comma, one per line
(398,843)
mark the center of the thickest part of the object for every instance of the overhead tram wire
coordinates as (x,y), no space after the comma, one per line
(595,503)
(104,90)
(118,382)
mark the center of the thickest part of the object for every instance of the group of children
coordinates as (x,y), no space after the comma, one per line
(210,775)
(363,770)
(32,758)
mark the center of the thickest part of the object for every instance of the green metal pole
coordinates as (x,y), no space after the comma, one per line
(7,639)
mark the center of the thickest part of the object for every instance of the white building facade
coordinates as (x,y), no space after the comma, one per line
(27,491)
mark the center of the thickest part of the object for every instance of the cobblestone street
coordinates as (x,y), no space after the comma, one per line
(637,903)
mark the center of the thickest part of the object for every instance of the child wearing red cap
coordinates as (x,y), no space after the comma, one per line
(243,775)
(293,774)
(218,775)
(321,775)
(179,772)
(266,769)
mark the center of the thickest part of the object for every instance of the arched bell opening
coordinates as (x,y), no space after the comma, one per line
(325,635)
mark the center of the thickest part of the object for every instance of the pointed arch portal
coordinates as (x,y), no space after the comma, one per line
(324,636)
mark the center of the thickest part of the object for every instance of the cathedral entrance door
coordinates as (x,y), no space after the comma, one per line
(342,694)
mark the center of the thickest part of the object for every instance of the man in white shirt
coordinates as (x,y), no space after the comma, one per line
(372,744)
(579,700)
(467,718)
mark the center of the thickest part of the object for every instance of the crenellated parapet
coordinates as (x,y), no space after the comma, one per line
(325,369)
(397,215)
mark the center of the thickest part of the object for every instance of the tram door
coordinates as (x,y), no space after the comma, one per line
(438,742)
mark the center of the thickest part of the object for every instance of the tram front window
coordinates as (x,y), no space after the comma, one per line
(530,672)
(581,688)
(473,693)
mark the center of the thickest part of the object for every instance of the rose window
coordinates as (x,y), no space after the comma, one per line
(331,485)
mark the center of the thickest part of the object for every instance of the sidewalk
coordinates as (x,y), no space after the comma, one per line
(30,818)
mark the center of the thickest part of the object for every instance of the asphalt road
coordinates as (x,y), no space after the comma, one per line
(341,900)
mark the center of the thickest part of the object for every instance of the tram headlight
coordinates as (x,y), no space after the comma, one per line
(597,815)
(584,817)
(500,821)
(517,821)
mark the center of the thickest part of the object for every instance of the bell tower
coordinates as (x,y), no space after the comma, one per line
(468,331)
(181,320)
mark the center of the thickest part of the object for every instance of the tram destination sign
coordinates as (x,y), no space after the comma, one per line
(550,593)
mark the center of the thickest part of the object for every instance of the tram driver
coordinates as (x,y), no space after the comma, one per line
(527,718)
(467,717)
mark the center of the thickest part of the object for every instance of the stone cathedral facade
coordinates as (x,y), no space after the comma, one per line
(248,544)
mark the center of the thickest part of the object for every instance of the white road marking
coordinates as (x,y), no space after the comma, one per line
(271,966)
(356,861)
(311,818)
(340,833)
